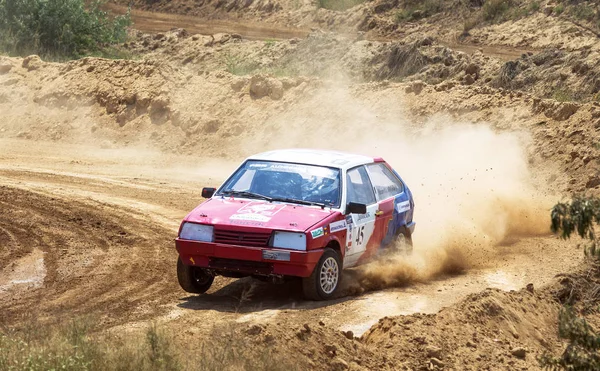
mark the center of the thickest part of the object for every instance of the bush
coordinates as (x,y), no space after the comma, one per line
(584,344)
(495,10)
(583,12)
(58,28)
(414,11)
(581,215)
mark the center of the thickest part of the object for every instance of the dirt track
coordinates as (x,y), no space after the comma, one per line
(103,226)
(161,22)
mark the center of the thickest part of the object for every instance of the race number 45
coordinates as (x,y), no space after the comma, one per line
(360,235)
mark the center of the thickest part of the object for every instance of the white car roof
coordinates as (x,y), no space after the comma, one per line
(335,159)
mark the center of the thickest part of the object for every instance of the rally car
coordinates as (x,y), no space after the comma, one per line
(295,214)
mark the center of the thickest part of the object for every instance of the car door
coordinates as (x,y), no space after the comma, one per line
(392,200)
(360,226)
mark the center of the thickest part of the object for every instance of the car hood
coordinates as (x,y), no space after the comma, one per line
(257,213)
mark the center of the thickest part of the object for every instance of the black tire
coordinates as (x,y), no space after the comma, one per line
(193,279)
(329,266)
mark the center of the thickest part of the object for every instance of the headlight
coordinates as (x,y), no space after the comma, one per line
(289,240)
(197,232)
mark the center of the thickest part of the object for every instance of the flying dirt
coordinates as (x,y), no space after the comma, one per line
(101,159)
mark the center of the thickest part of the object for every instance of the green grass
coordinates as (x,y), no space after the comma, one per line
(73,347)
(338,5)
(239,66)
(562,95)
(497,10)
(76,346)
(559,9)
(582,12)
(533,7)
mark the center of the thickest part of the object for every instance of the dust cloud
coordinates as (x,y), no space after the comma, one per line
(474,190)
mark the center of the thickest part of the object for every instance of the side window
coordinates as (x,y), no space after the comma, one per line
(359,186)
(385,182)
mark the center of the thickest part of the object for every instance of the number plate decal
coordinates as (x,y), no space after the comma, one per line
(276,255)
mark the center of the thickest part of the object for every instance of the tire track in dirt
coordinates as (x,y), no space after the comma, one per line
(153,22)
(99,260)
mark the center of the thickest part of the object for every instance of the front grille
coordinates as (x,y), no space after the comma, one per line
(251,239)
(246,266)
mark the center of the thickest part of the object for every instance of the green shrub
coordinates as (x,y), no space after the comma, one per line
(582,351)
(415,10)
(580,216)
(339,5)
(582,12)
(58,28)
(240,67)
(534,7)
(496,10)
(562,95)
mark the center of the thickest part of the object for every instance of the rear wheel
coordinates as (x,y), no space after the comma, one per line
(325,279)
(193,279)
(403,244)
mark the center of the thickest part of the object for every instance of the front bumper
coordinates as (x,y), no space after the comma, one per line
(247,260)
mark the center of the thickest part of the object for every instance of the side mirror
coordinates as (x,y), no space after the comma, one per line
(356,208)
(208,192)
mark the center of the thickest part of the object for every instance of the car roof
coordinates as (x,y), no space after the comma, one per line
(334,159)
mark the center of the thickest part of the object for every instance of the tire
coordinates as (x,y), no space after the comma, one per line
(403,244)
(324,281)
(193,279)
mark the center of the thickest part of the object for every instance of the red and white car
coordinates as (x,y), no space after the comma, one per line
(294,214)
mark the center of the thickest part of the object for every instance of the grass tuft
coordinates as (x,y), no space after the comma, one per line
(496,10)
(338,5)
(415,10)
(76,346)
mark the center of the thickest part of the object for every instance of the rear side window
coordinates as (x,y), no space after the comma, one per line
(359,187)
(385,183)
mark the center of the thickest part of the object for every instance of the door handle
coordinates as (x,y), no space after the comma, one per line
(378,213)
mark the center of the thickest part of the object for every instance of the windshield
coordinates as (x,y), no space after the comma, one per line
(280,181)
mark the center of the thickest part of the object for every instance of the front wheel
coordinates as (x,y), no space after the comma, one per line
(325,279)
(193,279)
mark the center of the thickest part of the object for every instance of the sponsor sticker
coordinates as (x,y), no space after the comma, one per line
(251,217)
(349,221)
(363,216)
(337,226)
(403,206)
(247,222)
(257,212)
(276,255)
(316,233)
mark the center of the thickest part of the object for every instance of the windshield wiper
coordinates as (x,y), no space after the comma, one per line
(301,202)
(231,192)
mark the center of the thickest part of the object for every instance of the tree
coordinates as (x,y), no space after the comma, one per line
(58,28)
(581,215)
